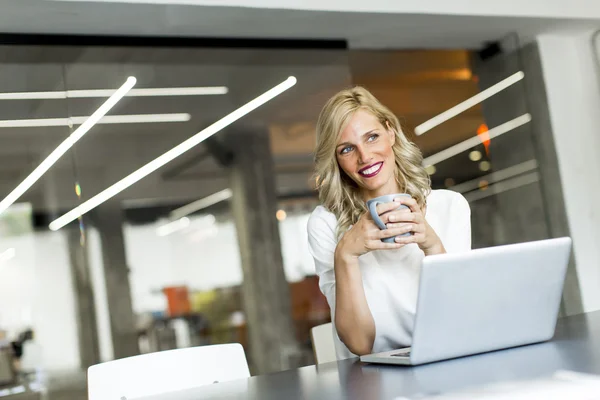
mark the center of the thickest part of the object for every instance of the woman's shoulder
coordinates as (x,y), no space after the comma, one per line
(322,219)
(447,199)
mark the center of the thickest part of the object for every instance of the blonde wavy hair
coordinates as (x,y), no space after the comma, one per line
(337,191)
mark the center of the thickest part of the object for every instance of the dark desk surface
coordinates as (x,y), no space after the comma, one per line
(576,347)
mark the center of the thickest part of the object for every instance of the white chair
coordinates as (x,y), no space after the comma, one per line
(167,371)
(323,344)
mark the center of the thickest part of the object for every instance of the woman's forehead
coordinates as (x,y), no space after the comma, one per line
(359,123)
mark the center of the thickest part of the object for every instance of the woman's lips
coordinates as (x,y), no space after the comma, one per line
(371,170)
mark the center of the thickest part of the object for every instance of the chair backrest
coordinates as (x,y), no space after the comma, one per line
(323,344)
(166,371)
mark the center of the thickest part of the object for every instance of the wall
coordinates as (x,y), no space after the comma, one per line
(573,90)
(36,291)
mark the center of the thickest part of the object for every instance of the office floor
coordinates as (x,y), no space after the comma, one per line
(67,386)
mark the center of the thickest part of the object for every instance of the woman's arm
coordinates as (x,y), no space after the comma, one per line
(340,276)
(353,319)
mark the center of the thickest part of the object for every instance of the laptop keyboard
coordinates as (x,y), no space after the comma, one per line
(402,353)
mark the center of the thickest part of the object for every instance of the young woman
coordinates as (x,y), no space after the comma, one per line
(371,286)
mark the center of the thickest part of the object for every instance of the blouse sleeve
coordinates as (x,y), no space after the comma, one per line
(321,243)
(459,239)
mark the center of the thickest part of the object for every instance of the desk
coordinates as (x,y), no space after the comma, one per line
(576,347)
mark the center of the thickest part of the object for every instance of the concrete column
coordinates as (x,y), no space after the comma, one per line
(87,329)
(108,219)
(266,292)
(536,210)
(571,73)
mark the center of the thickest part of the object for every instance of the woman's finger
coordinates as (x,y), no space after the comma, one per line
(379,245)
(387,233)
(406,239)
(386,207)
(403,215)
(410,227)
(409,202)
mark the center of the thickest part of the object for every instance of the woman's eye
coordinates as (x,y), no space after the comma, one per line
(373,137)
(345,150)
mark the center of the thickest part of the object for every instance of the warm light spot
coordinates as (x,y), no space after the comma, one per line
(485,166)
(475,155)
(483,185)
(484,136)
(78,190)
(430,169)
(281,215)
(448,182)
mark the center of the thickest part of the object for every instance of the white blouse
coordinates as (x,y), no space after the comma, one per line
(390,277)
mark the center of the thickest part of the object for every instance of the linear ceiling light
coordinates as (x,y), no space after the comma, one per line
(66,145)
(171,154)
(201,204)
(465,105)
(497,176)
(173,227)
(92,93)
(504,186)
(8,254)
(475,140)
(109,119)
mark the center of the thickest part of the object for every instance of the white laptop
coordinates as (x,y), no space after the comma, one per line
(484,300)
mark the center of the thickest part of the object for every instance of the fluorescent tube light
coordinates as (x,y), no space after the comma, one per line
(497,176)
(475,140)
(171,154)
(94,93)
(201,204)
(465,105)
(504,186)
(173,227)
(108,119)
(66,145)
(8,254)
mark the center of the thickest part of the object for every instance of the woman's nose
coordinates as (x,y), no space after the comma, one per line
(364,156)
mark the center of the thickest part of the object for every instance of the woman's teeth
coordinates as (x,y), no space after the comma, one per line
(371,170)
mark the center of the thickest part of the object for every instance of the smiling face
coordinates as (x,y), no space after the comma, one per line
(364,152)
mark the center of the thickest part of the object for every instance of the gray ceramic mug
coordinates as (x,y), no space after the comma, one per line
(388,198)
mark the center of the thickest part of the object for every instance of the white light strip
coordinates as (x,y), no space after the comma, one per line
(496,176)
(173,227)
(201,204)
(93,93)
(465,105)
(503,186)
(475,140)
(66,145)
(109,119)
(171,154)
(7,254)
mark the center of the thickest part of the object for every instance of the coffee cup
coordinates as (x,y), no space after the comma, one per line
(388,198)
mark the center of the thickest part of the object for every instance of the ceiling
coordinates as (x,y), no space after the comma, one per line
(361,29)
(415,84)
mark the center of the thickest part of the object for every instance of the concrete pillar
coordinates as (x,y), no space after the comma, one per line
(571,73)
(87,329)
(265,290)
(108,219)
(536,210)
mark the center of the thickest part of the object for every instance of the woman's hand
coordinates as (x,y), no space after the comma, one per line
(412,219)
(365,236)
